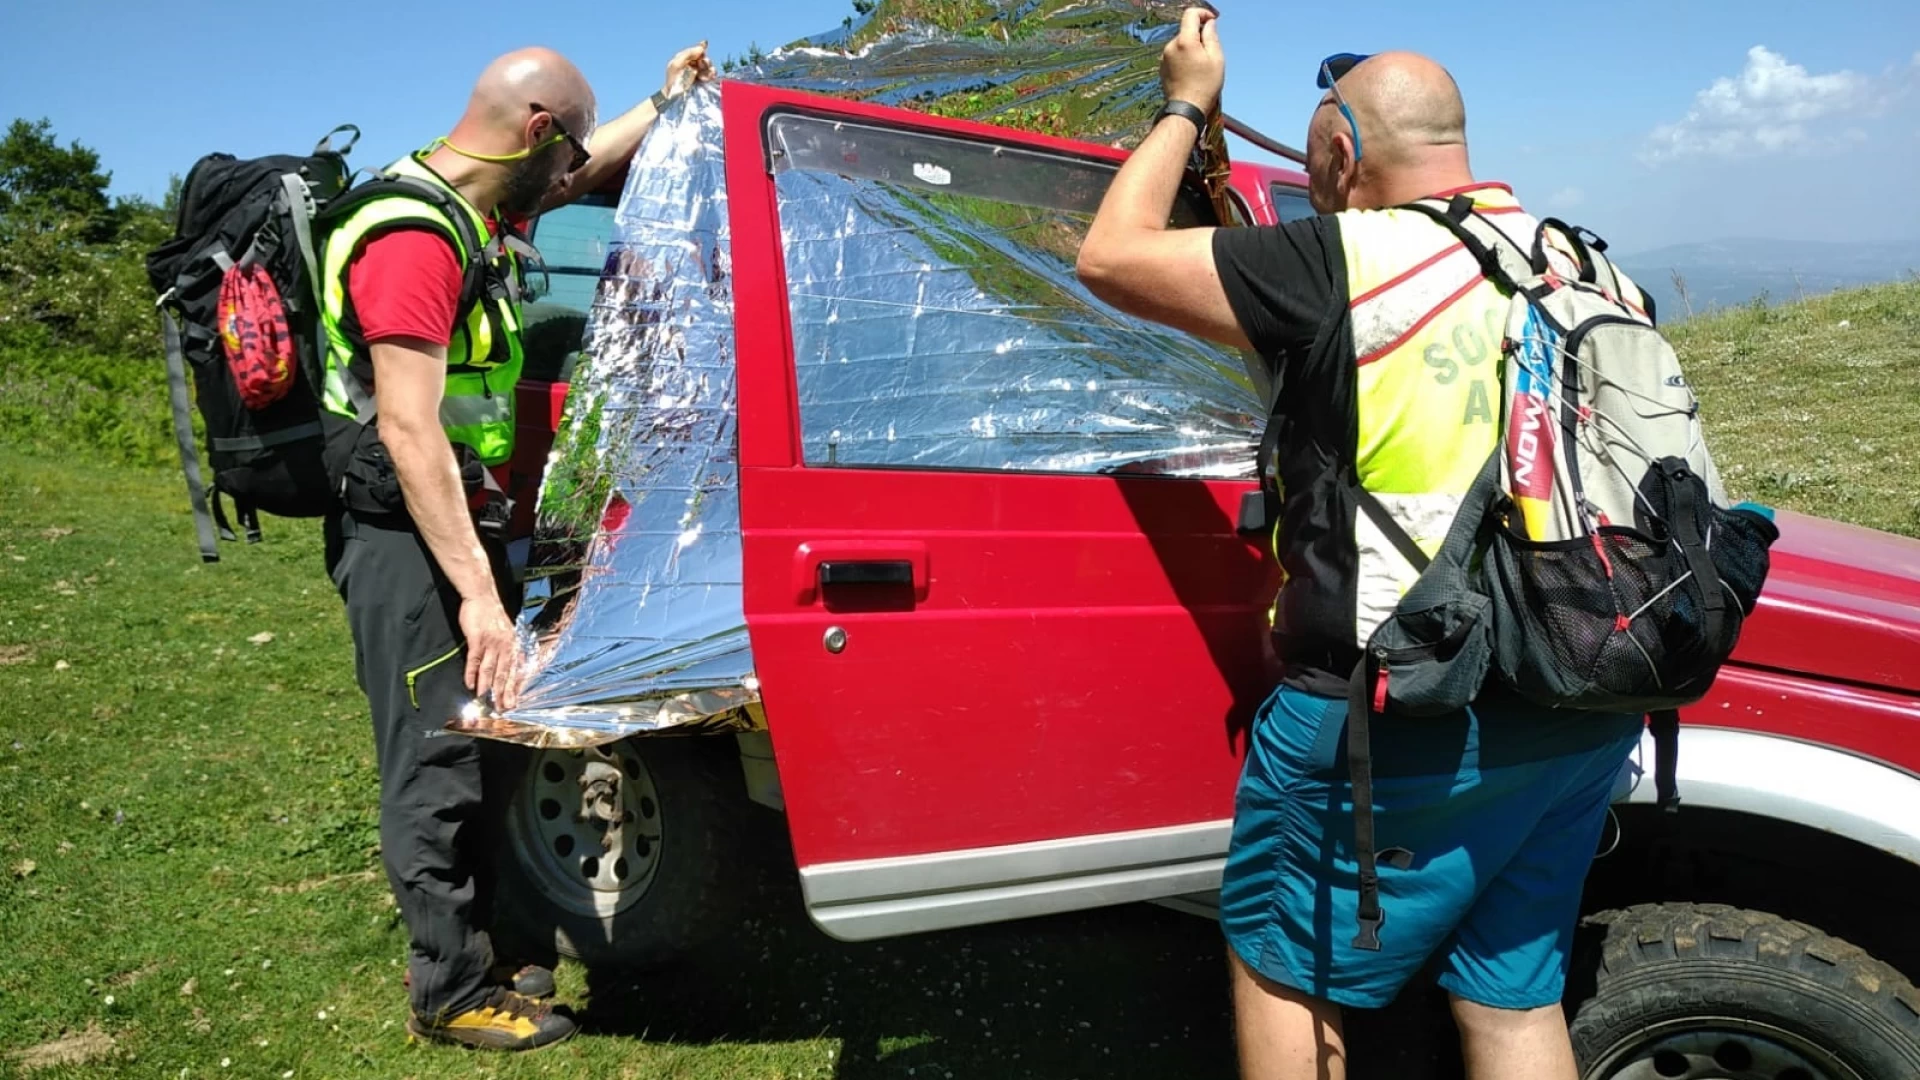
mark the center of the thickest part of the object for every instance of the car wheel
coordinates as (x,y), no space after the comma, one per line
(1698,991)
(625,856)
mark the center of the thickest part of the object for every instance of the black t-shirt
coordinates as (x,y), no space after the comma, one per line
(1288,287)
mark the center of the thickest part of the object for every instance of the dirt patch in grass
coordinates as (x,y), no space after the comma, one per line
(76,1048)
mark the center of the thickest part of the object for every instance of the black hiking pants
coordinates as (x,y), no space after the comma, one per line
(442,797)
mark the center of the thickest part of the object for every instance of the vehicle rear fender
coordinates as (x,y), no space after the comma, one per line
(1771,776)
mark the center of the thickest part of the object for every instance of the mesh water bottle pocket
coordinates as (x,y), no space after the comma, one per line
(1609,622)
(1739,547)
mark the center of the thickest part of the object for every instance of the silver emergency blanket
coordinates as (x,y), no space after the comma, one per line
(937,323)
(1082,69)
(633,619)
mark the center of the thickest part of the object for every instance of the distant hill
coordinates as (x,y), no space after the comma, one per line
(1726,273)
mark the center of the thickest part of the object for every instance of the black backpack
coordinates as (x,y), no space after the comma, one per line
(240,280)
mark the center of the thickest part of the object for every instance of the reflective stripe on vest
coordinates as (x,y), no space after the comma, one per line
(477,409)
(1427,329)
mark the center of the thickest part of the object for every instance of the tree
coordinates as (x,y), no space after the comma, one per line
(38,176)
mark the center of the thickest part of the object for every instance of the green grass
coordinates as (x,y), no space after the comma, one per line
(1812,406)
(187,810)
(189,872)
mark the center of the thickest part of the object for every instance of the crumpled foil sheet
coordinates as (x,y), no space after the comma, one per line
(1083,69)
(633,619)
(933,327)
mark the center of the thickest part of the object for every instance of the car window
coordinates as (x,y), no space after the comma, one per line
(573,241)
(938,322)
(1290,203)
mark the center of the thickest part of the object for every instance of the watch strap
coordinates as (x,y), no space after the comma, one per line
(1185,110)
(659,101)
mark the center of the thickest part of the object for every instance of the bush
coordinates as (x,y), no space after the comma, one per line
(74,401)
(81,368)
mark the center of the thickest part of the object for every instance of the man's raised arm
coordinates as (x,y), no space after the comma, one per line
(613,143)
(1130,258)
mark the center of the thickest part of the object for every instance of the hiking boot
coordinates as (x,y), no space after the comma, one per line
(505,1021)
(531,981)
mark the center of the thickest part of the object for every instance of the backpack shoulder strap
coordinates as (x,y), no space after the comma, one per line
(458,228)
(1501,260)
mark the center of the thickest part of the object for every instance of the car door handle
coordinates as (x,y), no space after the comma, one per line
(859,562)
(866,572)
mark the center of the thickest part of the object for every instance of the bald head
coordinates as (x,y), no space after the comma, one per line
(509,87)
(1405,103)
(1413,135)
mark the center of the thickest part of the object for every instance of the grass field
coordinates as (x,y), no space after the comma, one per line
(188,872)
(1814,406)
(188,869)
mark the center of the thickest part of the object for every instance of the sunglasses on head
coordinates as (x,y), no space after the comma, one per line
(580,154)
(1332,70)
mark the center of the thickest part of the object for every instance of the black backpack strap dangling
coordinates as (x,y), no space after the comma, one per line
(249,520)
(1664,726)
(1360,772)
(203,519)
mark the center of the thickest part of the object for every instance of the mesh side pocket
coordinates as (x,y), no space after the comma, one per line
(1554,614)
(1739,546)
(1572,635)
(1569,633)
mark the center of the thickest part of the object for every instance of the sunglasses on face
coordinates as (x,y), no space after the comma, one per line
(1332,70)
(580,154)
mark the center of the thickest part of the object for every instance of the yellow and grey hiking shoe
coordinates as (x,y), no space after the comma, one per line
(505,1021)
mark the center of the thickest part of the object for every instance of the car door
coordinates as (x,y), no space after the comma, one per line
(1005,630)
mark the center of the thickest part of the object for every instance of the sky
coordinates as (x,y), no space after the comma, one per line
(1653,123)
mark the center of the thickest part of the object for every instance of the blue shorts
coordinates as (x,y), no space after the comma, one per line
(1501,807)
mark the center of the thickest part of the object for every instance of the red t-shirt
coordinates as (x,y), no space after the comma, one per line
(406,283)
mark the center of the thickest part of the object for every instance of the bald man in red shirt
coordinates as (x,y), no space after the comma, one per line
(428,595)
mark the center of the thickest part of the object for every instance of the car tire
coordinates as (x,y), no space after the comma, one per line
(1688,991)
(682,849)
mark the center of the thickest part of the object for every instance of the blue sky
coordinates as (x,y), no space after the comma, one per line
(1652,122)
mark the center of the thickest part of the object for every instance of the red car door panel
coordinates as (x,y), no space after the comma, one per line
(989,657)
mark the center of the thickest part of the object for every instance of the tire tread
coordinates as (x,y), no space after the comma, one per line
(1654,956)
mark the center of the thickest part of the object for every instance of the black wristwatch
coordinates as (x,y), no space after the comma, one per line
(659,102)
(1184,109)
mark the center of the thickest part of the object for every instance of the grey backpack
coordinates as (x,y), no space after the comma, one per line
(1594,565)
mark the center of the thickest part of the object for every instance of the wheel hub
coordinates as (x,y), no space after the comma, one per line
(587,828)
(1722,1049)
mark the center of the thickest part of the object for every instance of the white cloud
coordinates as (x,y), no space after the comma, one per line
(1772,106)
(1566,199)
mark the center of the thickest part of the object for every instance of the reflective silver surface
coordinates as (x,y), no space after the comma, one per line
(634,617)
(1082,69)
(937,323)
